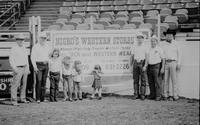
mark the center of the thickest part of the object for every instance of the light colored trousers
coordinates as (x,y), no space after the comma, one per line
(77,90)
(170,78)
(17,77)
(67,86)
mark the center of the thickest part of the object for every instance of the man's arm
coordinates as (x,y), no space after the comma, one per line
(33,57)
(11,60)
(131,60)
(27,65)
(146,61)
(163,62)
(178,58)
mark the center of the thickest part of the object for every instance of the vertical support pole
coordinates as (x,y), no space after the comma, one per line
(30,24)
(159,27)
(33,29)
(91,23)
(38,20)
(34,42)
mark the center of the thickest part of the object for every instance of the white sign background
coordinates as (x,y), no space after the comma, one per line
(109,48)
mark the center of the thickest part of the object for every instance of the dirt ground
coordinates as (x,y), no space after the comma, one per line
(111,110)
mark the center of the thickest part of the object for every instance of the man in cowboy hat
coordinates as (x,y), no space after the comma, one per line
(137,63)
(172,66)
(19,62)
(39,58)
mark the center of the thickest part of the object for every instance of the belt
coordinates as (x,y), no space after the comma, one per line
(153,65)
(54,73)
(66,76)
(170,60)
(22,66)
(43,63)
(141,61)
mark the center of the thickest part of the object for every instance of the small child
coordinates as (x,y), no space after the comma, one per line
(67,73)
(97,86)
(54,74)
(78,78)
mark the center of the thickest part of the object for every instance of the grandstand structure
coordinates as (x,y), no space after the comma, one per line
(181,16)
(176,15)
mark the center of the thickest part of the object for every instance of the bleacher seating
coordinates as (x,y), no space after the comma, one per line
(113,14)
(11,11)
(129,14)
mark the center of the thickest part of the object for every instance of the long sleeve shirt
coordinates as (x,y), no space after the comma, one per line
(40,53)
(139,52)
(172,51)
(18,56)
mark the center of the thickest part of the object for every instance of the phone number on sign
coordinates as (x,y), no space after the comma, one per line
(116,66)
(110,66)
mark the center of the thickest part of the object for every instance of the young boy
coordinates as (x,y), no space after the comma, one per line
(78,78)
(67,73)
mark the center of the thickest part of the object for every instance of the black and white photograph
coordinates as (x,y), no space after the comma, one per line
(99,62)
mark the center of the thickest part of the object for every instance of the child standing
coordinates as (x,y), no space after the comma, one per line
(67,73)
(97,86)
(78,78)
(54,74)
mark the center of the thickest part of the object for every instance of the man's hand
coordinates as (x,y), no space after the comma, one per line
(27,70)
(178,67)
(162,70)
(15,70)
(61,79)
(144,68)
(131,68)
(35,69)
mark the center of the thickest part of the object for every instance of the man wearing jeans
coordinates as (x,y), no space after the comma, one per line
(172,66)
(155,68)
(19,62)
(40,57)
(137,63)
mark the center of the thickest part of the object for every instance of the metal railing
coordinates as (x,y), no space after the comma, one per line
(10,16)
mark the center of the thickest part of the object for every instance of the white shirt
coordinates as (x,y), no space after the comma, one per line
(172,51)
(40,53)
(139,52)
(78,77)
(18,56)
(68,70)
(155,55)
(55,65)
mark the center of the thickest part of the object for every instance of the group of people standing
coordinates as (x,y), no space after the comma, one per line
(157,65)
(147,64)
(48,63)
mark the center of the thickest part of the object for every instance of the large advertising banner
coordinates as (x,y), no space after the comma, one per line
(111,49)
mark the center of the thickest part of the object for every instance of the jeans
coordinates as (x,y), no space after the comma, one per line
(137,75)
(41,76)
(154,80)
(67,86)
(21,74)
(171,74)
(54,84)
